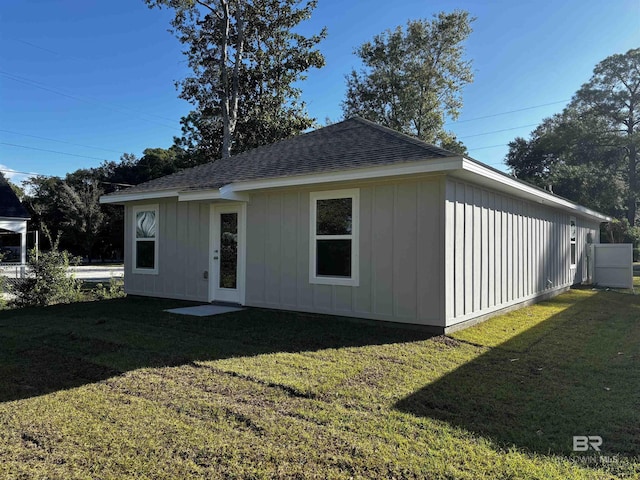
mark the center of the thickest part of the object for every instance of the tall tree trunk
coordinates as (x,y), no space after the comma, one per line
(226,127)
(231,89)
(634,187)
(235,78)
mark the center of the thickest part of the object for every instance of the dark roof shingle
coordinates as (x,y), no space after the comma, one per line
(10,205)
(353,143)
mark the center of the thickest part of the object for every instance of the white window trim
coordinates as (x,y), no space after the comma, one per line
(573,264)
(354,194)
(135,210)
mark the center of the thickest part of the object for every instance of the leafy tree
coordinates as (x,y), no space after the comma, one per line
(43,205)
(130,170)
(69,214)
(613,94)
(413,77)
(84,217)
(245,58)
(589,151)
(154,163)
(531,160)
(574,156)
(619,231)
(17,189)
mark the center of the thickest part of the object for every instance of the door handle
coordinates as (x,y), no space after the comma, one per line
(215,258)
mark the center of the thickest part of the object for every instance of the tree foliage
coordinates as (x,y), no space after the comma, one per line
(80,204)
(613,95)
(42,202)
(413,77)
(67,210)
(47,281)
(246,59)
(588,153)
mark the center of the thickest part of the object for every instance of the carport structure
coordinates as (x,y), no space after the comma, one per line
(13,216)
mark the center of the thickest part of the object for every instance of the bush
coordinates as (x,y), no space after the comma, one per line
(48,281)
(115,289)
(5,288)
(619,231)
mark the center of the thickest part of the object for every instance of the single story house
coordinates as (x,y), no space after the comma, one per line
(13,220)
(357,220)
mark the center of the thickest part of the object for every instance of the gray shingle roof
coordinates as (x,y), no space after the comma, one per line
(10,206)
(350,144)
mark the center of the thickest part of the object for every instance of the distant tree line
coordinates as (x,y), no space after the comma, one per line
(247,58)
(67,213)
(588,153)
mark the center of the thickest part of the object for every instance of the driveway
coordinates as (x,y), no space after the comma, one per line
(98,273)
(88,273)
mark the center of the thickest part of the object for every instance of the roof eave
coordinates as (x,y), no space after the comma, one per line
(501,181)
(457,166)
(124,197)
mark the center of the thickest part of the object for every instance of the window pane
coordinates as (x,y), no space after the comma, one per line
(145,254)
(573,254)
(573,231)
(333,258)
(146,224)
(333,216)
(228,250)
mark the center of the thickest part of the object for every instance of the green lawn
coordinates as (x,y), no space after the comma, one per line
(119,389)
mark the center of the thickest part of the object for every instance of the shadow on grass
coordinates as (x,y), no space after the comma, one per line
(43,350)
(577,373)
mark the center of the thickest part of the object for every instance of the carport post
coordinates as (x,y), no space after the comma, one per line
(23,250)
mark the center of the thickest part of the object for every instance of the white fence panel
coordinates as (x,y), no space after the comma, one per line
(613,265)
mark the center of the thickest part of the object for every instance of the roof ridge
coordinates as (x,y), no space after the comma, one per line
(403,136)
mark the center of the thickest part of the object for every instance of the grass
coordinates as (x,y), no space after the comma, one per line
(120,389)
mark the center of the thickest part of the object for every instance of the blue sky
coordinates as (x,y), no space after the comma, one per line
(83,81)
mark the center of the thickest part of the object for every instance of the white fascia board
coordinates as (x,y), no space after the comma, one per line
(194,195)
(408,168)
(132,197)
(521,189)
(13,225)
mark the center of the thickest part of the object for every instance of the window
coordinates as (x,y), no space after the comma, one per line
(334,237)
(572,241)
(145,240)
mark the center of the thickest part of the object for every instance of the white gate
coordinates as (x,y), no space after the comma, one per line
(613,265)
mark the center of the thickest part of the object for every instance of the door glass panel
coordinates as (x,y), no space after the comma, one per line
(228,250)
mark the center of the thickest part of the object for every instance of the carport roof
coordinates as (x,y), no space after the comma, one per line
(10,206)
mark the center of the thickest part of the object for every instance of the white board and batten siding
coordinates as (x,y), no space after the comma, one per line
(434,250)
(183,242)
(501,251)
(400,247)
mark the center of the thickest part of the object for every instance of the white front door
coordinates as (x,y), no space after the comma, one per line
(226,282)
